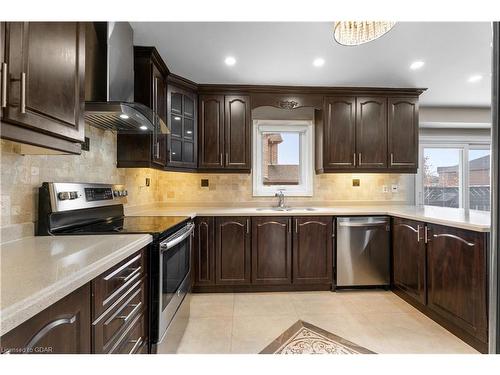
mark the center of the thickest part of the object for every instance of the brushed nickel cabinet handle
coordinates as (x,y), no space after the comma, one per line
(426,234)
(354,159)
(248,226)
(4,85)
(23,93)
(471,244)
(418,233)
(121,268)
(137,344)
(289,225)
(227,158)
(221,160)
(359,159)
(47,328)
(296,226)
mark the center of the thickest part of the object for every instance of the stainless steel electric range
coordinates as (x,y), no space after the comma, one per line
(86,209)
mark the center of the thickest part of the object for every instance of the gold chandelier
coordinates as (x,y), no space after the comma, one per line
(352,33)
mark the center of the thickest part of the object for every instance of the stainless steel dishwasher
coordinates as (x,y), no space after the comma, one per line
(363,254)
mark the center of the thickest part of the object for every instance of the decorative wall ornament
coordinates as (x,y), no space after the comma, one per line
(288,104)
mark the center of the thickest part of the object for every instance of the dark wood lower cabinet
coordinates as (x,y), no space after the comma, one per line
(204,254)
(232,250)
(63,328)
(457,278)
(409,257)
(271,250)
(312,250)
(108,315)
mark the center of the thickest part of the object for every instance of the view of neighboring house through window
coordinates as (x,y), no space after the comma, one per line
(280,158)
(455,176)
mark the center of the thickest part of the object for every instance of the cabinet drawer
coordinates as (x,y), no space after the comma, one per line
(108,287)
(107,328)
(133,340)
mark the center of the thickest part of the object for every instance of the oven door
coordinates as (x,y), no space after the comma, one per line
(175,274)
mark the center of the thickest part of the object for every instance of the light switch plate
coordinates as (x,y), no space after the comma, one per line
(395,188)
(385,189)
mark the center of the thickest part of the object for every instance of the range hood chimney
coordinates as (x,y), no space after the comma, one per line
(109,81)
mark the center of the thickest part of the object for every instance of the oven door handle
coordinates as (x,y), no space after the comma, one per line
(165,245)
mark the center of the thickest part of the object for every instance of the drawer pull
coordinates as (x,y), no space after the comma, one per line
(120,269)
(119,290)
(471,244)
(47,328)
(137,344)
(129,276)
(125,318)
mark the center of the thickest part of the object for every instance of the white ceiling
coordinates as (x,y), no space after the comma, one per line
(281,53)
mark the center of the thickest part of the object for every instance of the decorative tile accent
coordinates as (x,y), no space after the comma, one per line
(305,338)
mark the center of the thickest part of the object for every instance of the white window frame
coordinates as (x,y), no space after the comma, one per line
(463,143)
(305,128)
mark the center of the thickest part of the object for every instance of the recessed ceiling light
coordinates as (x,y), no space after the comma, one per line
(417,65)
(123,116)
(318,62)
(143,127)
(475,78)
(230,61)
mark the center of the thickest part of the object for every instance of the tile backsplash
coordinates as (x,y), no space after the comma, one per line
(21,175)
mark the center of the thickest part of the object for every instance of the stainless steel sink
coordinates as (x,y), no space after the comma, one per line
(286,209)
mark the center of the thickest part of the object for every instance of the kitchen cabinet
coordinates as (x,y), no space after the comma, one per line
(63,328)
(224,133)
(204,251)
(457,278)
(40,58)
(313,250)
(271,250)
(376,133)
(371,132)
(150,89)
(403,133)
(339,133)
(232,250)
(107,315)
(182,140)
(409,258)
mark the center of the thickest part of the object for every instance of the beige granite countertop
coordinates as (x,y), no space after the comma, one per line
(38,271)
(473,220)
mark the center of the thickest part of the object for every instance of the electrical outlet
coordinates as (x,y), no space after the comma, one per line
(385,189)
(356,182)
(204,182)
(395,188)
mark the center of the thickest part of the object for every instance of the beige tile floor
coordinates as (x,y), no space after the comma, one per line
(246,323)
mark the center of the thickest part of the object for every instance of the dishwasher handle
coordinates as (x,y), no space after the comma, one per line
(363,224)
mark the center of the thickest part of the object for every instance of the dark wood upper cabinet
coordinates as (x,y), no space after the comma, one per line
(182,140)
(312,250)
(457,278)
(409,258)
(43,84)
(237,132)
(403,133)
(204,251)
(339,147)
(271,250)
(150,89)
(371,132)
(211,132)
(62,328)
(232,250)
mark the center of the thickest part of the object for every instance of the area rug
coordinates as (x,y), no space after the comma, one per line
(305,338)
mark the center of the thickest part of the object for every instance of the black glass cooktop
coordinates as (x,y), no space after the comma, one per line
(130,224)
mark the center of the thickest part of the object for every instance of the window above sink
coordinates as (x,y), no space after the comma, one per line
(283,157)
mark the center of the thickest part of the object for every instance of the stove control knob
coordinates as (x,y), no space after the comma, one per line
(63,195)
(73,195)
(116,193)
(125,193)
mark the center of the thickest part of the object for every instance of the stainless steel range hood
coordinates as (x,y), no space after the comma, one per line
(109,81)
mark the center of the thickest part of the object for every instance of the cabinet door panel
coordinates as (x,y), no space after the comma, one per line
(408,251)
(271,250)
(371,132)
(457,284)
(204,251)
(63,328)
(211,132)
(232,257)
(403,133)
(47,57)
(312,250)
(237,134)
(339,133)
